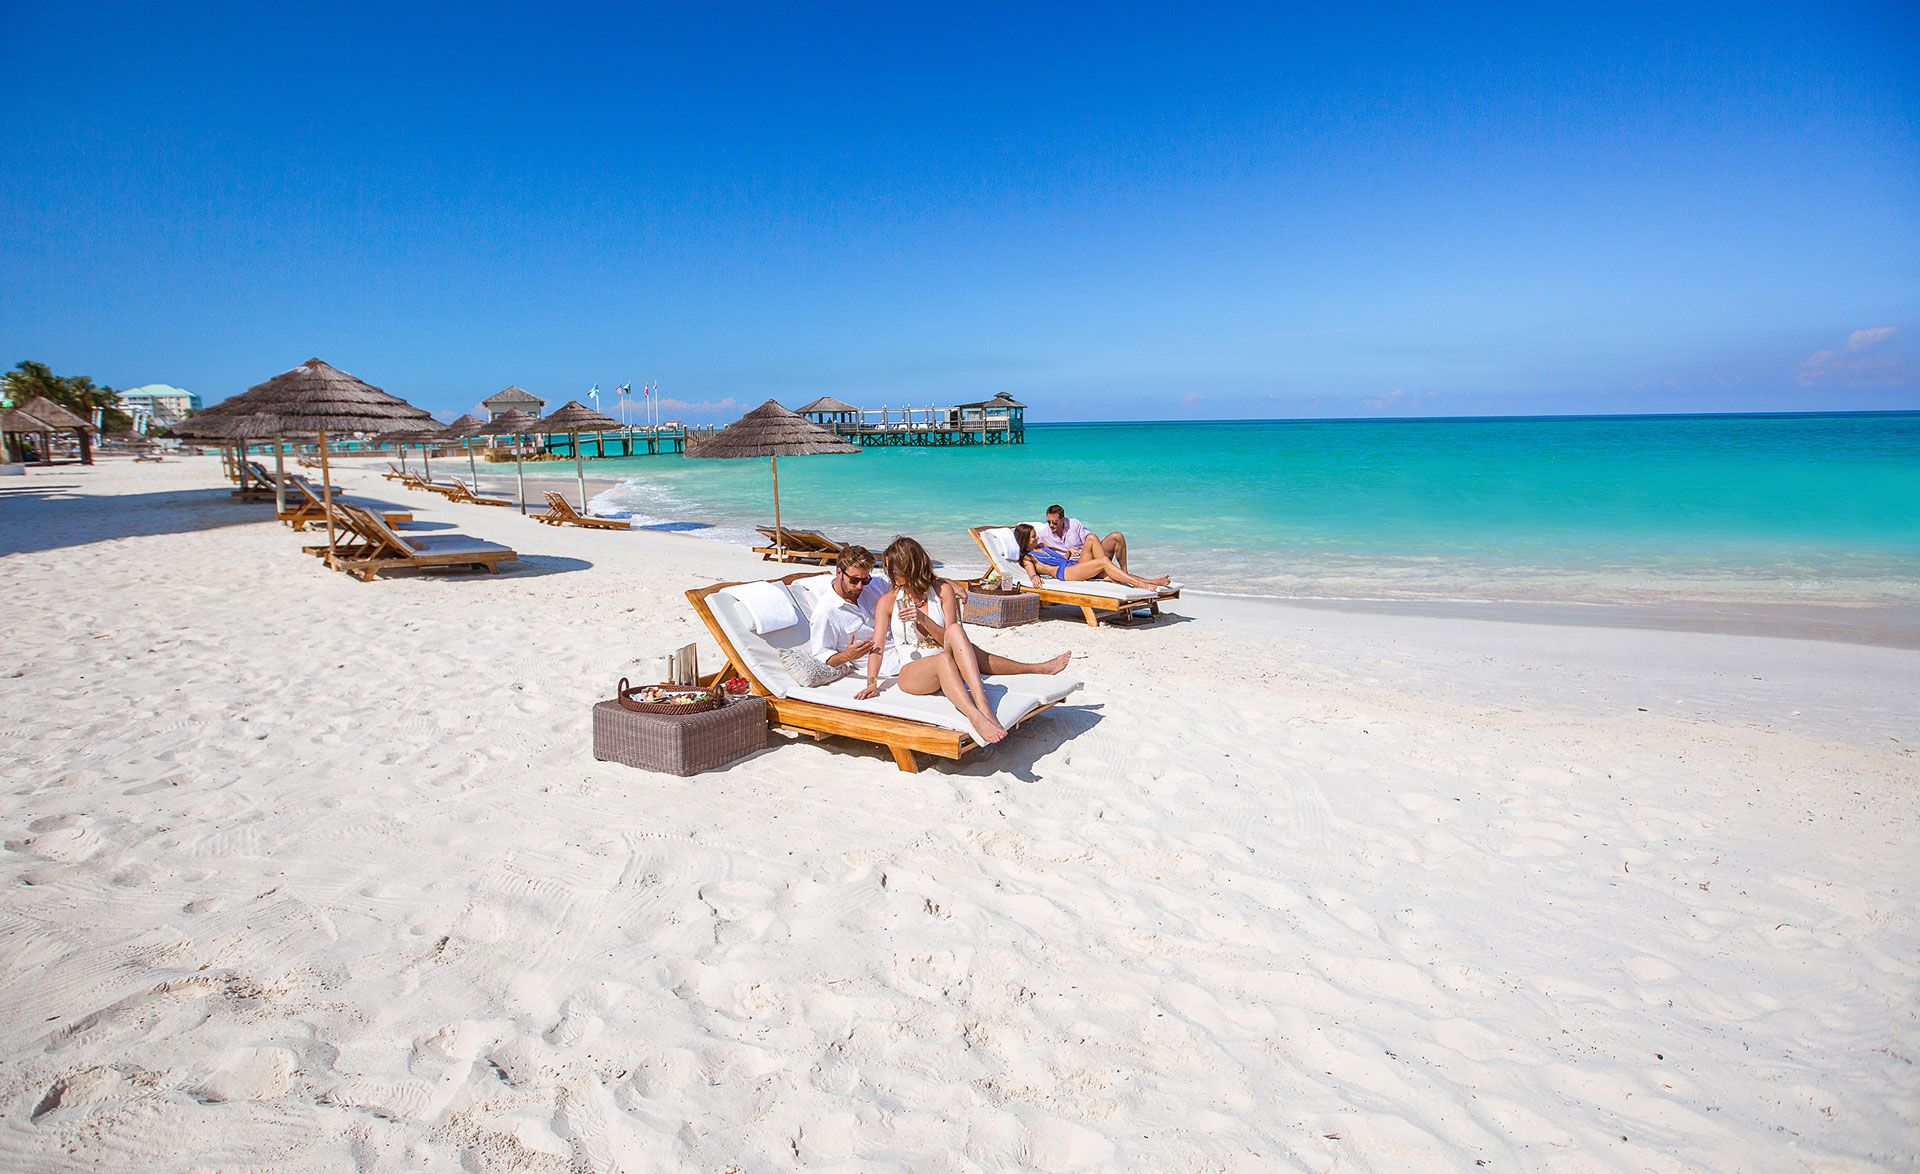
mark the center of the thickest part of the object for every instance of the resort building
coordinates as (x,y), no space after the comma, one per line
(158,405)
(507,399)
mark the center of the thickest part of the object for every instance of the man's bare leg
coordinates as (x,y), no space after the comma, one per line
(1095,564)
(1115,546)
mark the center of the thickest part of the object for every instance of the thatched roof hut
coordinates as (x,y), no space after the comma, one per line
(61,420)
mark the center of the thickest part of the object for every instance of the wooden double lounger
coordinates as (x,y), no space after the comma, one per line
(1094,597)
(888,720)
(797,546)
(560,512)
(461,491)
(309,509)
(376,547)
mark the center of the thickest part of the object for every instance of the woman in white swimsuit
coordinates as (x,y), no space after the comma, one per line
(927,645)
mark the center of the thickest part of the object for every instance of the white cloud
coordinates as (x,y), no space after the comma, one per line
(1190,399)
(1870,358)
(668,404)
(1387,402)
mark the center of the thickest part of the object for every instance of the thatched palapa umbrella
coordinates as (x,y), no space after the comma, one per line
(574,419)
(463,429)
(771,431)
(515,423)
(313,399)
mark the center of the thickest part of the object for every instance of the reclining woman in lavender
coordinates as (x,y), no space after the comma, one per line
(1041,564)
(932,656)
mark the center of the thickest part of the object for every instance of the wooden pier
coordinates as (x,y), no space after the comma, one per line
(1000,420)
(623,442)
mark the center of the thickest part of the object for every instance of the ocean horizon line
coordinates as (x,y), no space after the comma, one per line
(1469,419)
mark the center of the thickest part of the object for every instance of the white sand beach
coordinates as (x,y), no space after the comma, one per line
(306,873)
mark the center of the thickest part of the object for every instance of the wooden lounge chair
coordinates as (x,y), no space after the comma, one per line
(376,548)
(800,546)
(906,725)
(415,481)
(560,512)
(308,508)
(461,491)
(1094,597)
(395,472)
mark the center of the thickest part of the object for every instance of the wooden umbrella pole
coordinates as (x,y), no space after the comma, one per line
(579,472)
(279,478)
(779,535)
(426,461)
(326,495)
(473,470)
(520,477)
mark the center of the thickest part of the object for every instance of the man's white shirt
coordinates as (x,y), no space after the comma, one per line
(836,622)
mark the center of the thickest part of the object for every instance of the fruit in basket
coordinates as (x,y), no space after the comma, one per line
(736,685)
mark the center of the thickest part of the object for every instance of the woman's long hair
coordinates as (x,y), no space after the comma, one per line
(1023,536)
(908,567)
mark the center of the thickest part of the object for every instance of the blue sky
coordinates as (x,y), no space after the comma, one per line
(1112,212)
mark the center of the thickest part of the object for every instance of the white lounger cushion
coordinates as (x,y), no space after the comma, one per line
(808,592)
(1012,698)
(1005,553)
(450,544)
(1105,589)
(1001,547)
(368,503)
(762,653)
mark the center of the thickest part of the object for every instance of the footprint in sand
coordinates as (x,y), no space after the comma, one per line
(66,839)
(244,1074)
(577,1025)
(73,1094)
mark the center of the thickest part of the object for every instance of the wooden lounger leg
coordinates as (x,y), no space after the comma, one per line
(903,758)
(1093,619)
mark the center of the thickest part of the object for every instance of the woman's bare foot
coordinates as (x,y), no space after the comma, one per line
(1050,667)
(1160,581)
(989,731)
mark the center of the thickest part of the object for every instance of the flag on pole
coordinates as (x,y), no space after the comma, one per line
(624,390)
(594,395)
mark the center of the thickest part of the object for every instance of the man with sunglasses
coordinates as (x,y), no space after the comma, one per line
(843,619)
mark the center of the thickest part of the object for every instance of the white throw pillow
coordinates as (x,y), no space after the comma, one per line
(768,606)
(809,671)
(1004,547)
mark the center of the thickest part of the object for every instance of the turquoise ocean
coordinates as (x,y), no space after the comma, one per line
(1806,508)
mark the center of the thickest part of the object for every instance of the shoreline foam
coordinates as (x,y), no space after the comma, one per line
(1895,625)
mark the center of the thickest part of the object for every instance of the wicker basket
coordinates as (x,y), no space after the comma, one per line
(996,609)
(709,699)
(680,745)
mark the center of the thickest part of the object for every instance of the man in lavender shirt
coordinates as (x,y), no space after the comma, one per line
(1066,536)
(1065,549)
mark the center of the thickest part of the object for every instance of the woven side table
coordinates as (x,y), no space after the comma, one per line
(679,744)
(993,610)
